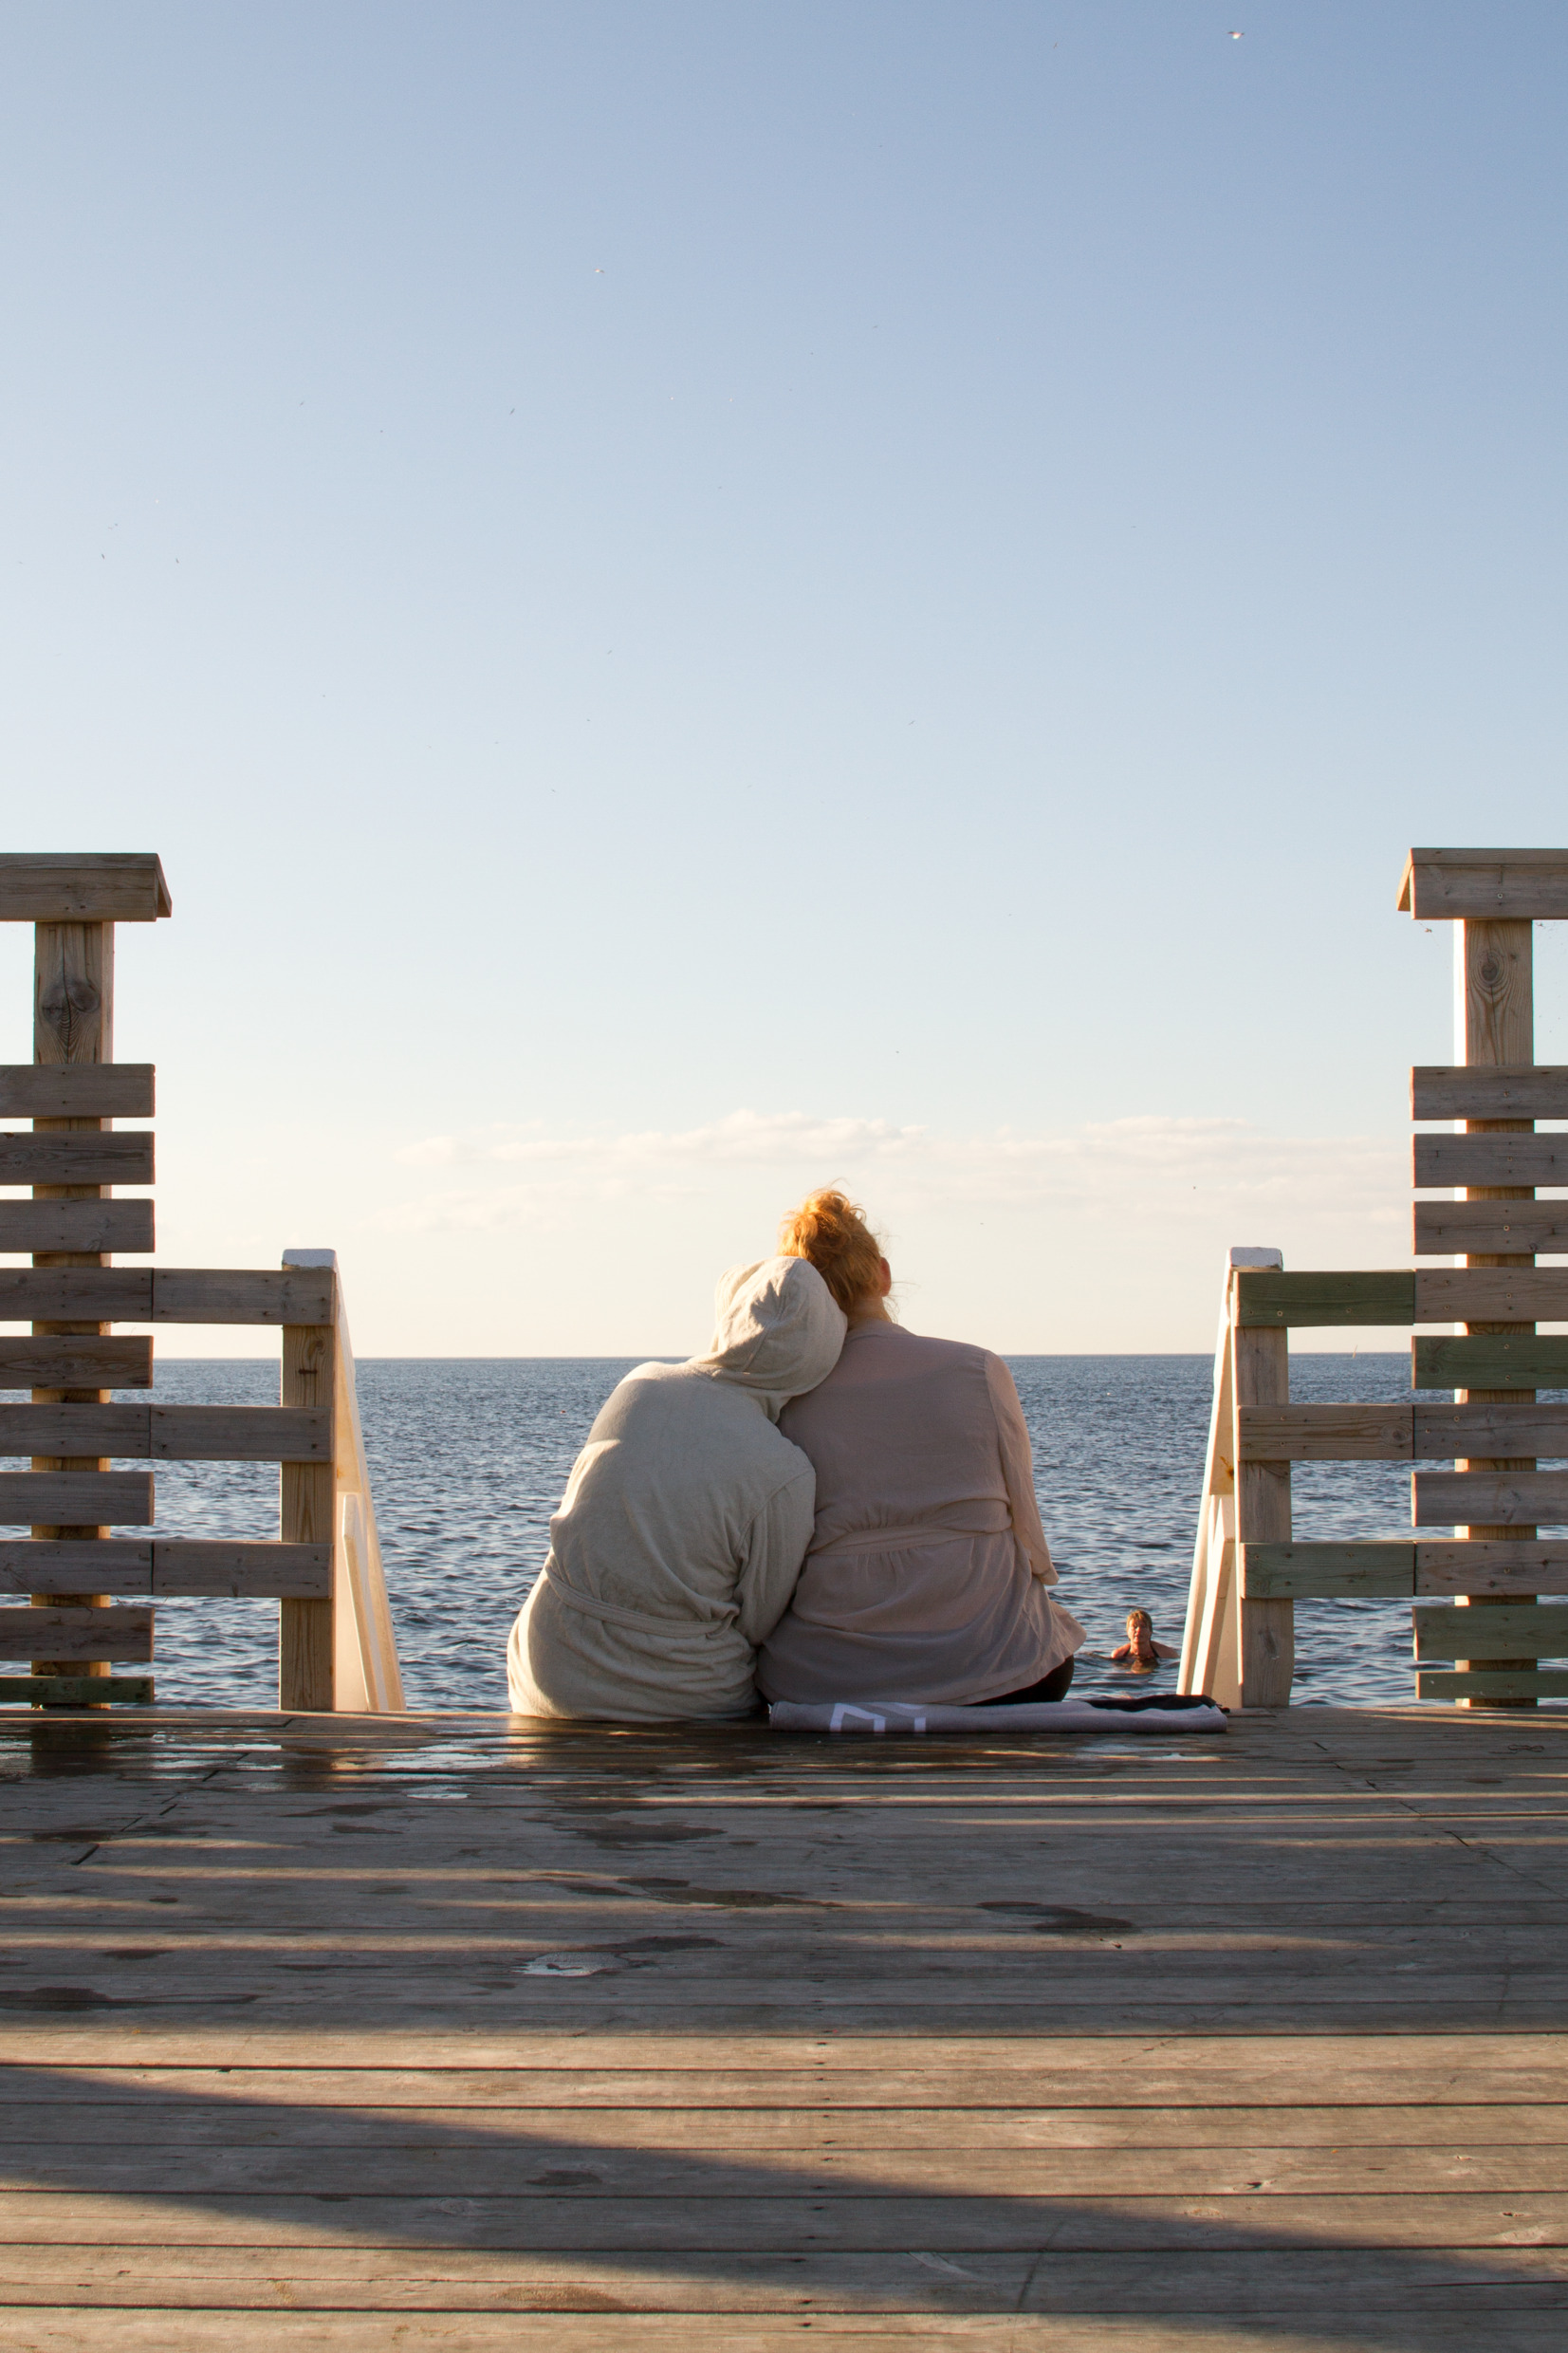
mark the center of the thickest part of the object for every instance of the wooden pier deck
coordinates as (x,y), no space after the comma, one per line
(450,2032)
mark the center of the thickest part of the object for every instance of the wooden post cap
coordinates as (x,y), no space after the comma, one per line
(70,889)
(1481,885)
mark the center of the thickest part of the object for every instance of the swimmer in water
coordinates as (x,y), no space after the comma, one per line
(1140,1651)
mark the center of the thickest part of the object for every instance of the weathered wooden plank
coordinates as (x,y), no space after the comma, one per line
(1491,1565)
(119,1633)
(301,2114)
(1489,1161)
(1327,1571)
(1486,885)
(108,1157)
(62,1565)
(1458,1228)
(38,887)
(1490,1091)
(1269,1297)
(1505,1432)
(125,2298)
(84,1294)
(1326,1432)
(688,2223)
(1490,1683)
(72,1360)
(1535,1630)
(77,1498)
(164,1294)
(1489,1361)
(77,1431)
(77,1691)
(196,1566)
(1260,1376)
(80,1090)
(307,1634)
(192,1567)
(1491,1294)
(241,1434)
(1488,1498)
(244,1295)
(169,1433)
(87,1225)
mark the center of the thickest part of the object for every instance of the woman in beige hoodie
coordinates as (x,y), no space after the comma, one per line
(685,1520)
(928,1571)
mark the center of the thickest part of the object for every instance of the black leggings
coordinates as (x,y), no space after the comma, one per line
(1052,1686)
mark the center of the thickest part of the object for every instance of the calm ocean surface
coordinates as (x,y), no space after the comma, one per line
(469,1457)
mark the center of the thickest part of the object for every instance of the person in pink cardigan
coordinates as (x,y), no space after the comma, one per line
(927,1575)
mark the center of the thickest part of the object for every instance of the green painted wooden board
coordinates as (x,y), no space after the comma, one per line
(1489,1361)
(1304,1572)
(78,1691)
(1507,1630)
(1265,1296)
(1492,1683)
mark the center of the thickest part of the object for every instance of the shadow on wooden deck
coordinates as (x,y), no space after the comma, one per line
(453,2031)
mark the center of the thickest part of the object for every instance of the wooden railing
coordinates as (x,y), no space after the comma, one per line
(91,1595)
(336,1646)
(1248,1571)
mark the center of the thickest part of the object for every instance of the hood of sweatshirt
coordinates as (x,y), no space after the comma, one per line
(778,1330)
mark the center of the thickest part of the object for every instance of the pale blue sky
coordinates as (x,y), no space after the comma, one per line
(882,567)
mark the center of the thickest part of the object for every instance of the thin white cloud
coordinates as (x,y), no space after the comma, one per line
(1135,1170)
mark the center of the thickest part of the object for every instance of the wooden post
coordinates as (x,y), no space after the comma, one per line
(1261,1377)
(73,1022)
(305,1677)
(1494,1021)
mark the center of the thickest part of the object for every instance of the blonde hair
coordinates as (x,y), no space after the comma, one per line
(1139,1618)
(830,1230)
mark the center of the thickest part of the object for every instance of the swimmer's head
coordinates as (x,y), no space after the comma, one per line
(1139,1621)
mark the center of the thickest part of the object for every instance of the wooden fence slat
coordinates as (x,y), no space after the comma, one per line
(189,1567)
(1534,1630)
(120,1632)
(1505,1432)
(75,1361)
(244,1295)
(195,1567)
(1471,1683)
(75,1430)
(1457,1229)
(1489,1161)
(241,1434)
(1489,1361)
(83,1294)
(1269,1297)
(94,1225)
(77,1498)
(1327,1571)
(110,1156)
(114,1565)
(1489,1091)
(163,1294)
(169,1433)
(76,1090)
(1488,1498)
(77,1691)
(1491,1294)
(1326,1432)
(1491,1565)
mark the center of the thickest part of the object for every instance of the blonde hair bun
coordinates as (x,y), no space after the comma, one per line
(830,1230)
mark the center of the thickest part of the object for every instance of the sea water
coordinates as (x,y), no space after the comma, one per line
(467,1459)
